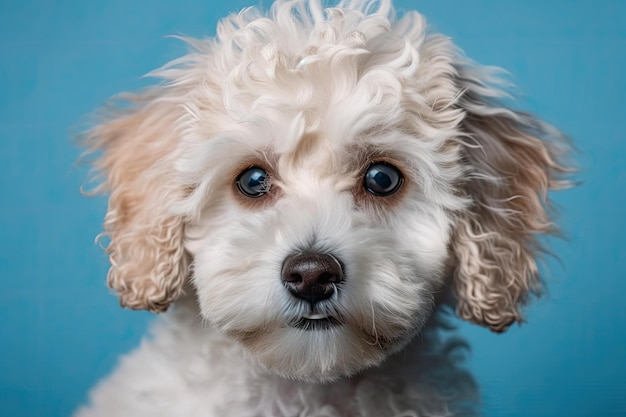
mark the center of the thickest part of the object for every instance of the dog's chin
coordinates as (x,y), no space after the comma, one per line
(318,349)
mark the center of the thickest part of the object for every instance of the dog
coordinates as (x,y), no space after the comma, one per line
(309,191)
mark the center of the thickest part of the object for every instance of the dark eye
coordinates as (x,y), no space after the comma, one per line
(382,179)
(253,182)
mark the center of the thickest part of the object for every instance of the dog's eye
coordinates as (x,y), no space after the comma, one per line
(253,182)
(382,179)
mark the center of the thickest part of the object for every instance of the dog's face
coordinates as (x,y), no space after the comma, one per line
(320,245)
(318,177)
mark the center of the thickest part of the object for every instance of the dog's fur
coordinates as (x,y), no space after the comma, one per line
(315,96)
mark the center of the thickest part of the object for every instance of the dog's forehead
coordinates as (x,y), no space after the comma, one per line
(317,109)
(338,77)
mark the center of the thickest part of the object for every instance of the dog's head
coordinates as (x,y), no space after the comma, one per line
(318,177)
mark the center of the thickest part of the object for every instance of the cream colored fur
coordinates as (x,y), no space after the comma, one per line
(314,96)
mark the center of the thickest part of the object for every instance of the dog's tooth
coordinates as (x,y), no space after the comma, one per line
(315,316)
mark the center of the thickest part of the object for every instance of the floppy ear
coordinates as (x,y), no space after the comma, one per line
(133,152)
(512,161)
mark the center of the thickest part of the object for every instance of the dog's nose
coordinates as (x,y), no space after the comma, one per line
(312,276)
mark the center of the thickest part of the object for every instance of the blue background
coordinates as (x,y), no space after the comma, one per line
(60,330)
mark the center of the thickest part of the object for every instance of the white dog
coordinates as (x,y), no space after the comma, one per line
(307,188)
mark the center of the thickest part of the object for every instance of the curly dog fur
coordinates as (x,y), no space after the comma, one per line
(308,188)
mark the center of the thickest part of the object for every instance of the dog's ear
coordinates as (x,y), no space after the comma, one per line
(512,161)
(133,153)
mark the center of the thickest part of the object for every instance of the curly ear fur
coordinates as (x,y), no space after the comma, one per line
(512,161)
(134,152)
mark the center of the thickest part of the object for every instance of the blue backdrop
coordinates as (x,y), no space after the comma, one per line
(60,330)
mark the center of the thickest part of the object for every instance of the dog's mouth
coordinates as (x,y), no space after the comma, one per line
(316,321)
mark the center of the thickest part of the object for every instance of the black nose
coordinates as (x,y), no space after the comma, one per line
(312,276)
